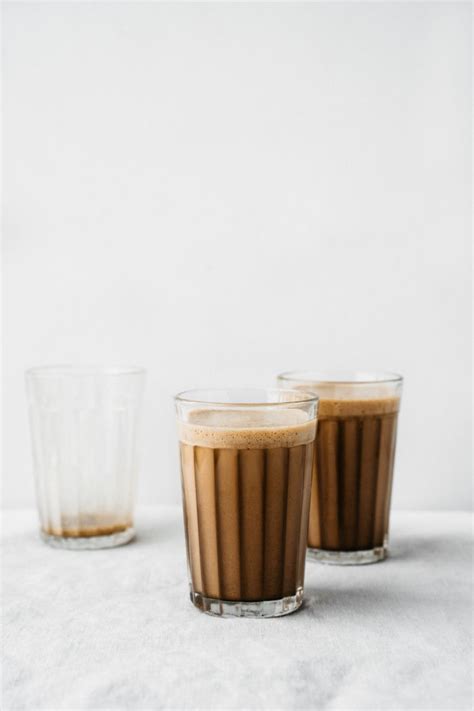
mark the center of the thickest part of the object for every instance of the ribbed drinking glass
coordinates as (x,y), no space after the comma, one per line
(84,423)
(353,463)
(246,458)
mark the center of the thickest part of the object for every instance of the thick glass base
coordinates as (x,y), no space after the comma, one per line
(348,557)
(264,608)
(89,542)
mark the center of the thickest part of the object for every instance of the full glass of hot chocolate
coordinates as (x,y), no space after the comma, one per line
(246,459)
(353,463)
(84,422)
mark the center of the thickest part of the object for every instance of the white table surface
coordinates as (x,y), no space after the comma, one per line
(114,629)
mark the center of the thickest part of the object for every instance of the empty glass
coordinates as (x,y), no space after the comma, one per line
(84,424)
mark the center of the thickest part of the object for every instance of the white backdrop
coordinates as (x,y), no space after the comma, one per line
(222,191)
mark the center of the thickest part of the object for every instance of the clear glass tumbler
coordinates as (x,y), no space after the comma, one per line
(83,424)
(246,458)
(353,463)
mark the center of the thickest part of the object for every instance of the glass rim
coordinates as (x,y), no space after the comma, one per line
(68,369)
(195,397)
(340,377)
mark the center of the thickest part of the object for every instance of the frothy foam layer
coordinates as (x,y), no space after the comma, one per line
(358,408)
(247,429)
(349,400)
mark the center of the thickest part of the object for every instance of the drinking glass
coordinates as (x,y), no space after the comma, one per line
(84,423)
(246,459)
(353,463)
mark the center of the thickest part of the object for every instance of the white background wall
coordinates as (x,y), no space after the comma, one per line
(220,192)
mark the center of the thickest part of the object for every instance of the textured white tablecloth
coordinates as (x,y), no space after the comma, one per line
(114,629)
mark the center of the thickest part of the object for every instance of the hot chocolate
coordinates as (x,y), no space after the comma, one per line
(353,463)
(352,478)
(246,492)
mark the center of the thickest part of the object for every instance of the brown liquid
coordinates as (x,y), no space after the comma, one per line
(86,526)
(246,507)
(352,474)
